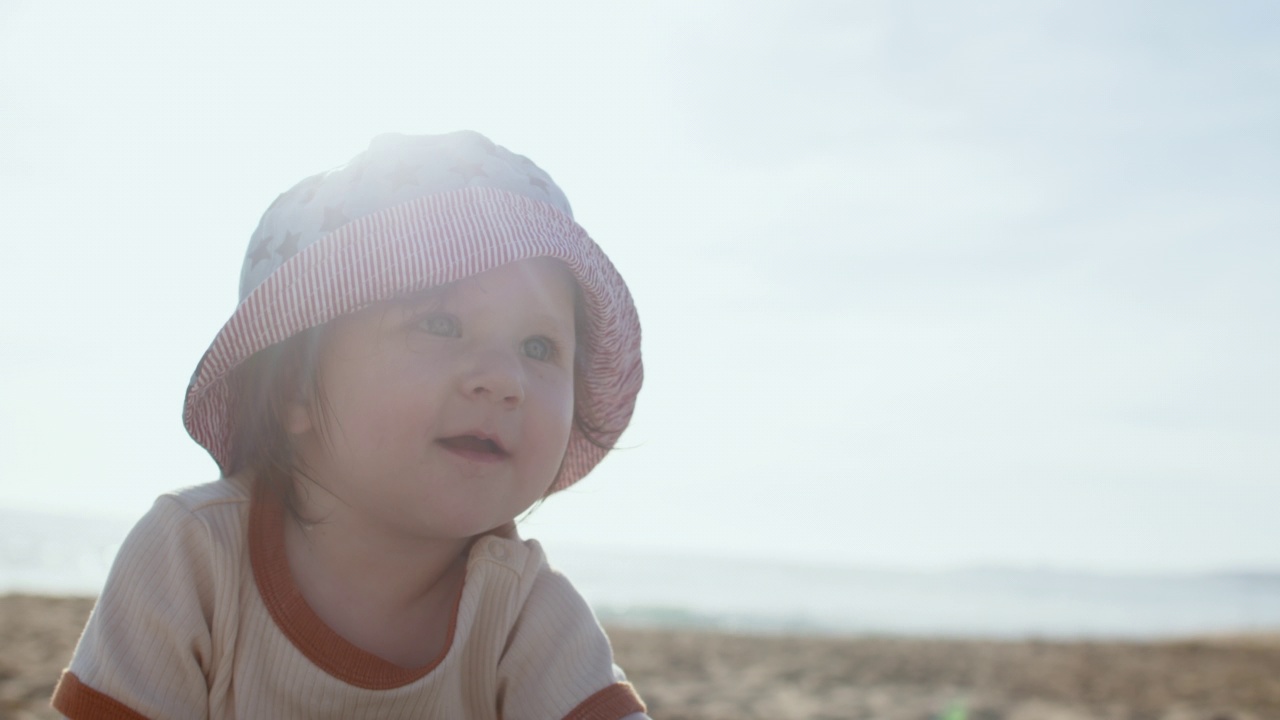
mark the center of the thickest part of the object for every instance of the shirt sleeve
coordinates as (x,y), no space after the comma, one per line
(146,648)
(558,662)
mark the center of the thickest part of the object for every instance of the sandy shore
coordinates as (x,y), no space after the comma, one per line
(687,675)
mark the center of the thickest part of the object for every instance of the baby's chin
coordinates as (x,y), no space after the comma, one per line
(506,530)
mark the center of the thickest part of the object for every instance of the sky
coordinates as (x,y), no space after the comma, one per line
(923,284)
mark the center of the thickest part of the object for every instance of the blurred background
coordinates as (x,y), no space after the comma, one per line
(958,317)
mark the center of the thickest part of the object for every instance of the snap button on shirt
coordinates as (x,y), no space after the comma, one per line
(497,550)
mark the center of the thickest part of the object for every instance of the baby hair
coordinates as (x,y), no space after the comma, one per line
(263,388)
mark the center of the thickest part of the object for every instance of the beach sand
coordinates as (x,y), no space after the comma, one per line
(686,675)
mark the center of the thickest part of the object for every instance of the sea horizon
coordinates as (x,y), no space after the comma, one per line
(45,554)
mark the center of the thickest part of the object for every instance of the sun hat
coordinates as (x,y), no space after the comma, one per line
(407,214)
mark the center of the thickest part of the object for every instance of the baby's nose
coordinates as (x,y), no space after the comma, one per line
(497,376)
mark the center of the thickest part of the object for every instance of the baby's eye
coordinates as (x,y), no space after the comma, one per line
(441,324)
(539,348)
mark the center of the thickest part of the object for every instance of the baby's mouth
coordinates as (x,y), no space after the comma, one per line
(473,444)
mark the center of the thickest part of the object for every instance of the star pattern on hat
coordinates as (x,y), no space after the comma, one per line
(470,170)
(306,189)
(289,246)
(404,174)
(394,170)
(357,171)
(333,218)
(259,252)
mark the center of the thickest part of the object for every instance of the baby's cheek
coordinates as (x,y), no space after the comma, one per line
(384,422)
(557,397)
(563,425)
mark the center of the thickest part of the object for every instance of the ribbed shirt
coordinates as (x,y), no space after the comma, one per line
(201,618)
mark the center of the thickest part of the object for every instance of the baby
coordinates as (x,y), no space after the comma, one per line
(426,345)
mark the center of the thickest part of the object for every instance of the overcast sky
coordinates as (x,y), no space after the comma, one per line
(923,284)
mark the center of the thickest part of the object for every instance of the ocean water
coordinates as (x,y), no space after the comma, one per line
(990,602)
(49,554)
(57,555)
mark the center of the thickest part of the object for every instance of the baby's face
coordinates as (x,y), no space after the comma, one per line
(448,414)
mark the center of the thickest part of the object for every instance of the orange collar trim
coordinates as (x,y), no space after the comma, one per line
(295,618)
